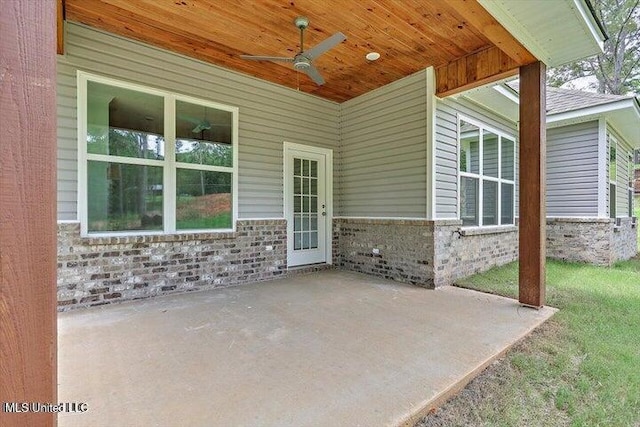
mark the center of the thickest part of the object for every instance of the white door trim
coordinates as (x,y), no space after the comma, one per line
(287,200)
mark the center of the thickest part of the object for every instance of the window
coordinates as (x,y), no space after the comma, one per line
(487,176)
(613,176)
(630,188)
(153,161)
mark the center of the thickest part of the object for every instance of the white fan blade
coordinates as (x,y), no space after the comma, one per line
(324,46)
(267,58)
(314,74)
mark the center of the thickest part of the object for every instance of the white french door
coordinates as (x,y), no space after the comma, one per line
(307,208)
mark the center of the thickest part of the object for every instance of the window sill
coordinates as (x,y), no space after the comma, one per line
(157,238)
(479,231)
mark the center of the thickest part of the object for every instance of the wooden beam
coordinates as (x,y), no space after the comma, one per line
(60,27)
(473,70)
(28,209)
(477,16)
(533,143)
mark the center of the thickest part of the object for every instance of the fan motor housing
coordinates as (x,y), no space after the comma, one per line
(301,63)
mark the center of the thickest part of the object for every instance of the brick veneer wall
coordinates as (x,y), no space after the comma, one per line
(593,240)
(421,252)
(96,271)
(461,253)
(580,239)
(406,248)
(624,240)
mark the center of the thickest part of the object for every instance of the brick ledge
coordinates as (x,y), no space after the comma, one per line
(488,230)
(177,237)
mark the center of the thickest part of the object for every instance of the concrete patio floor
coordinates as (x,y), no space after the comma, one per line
(331,348)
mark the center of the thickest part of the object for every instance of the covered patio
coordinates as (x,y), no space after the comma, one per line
(331,348)
(327,348)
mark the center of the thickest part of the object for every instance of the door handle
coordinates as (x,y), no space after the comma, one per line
(324,214)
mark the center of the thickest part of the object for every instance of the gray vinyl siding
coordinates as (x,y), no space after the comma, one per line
(67,143)
(572,170)
(383,151)
(269,113)
(446,157)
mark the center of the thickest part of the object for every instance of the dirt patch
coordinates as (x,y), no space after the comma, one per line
(203,206)
(487,390)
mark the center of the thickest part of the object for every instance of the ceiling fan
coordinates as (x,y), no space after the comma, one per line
(200,124)
(303,60)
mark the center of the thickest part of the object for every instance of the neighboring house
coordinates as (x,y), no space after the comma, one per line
(590,143)
(260,180)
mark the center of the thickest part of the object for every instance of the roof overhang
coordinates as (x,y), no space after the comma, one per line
(623,115)
(498,98)
(556,32)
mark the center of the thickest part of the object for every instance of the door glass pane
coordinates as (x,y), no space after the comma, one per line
(203,199)
(508,153)
(469,201)
(203,135)
(490,153)
(124,122)
(124,197)
(469,148)
(489,203)
(305,204)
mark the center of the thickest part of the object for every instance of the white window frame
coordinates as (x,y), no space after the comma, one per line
(630,189)
(480,177)
(169,164)
(613,208)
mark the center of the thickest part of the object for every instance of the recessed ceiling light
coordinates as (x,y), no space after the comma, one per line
(372,56)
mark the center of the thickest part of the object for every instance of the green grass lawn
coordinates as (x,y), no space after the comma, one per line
(222,220)
(582,368)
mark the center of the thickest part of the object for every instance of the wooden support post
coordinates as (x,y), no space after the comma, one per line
(533,145)
(60,27)
(28,209)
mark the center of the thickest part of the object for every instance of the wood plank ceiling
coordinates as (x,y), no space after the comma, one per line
(458,37)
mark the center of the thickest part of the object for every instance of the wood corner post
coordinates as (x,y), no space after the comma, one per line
(533,145)
(28,233)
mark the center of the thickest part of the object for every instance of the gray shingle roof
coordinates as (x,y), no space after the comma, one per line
(561,100)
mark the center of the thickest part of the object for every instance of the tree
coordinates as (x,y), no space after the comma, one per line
(617,69)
